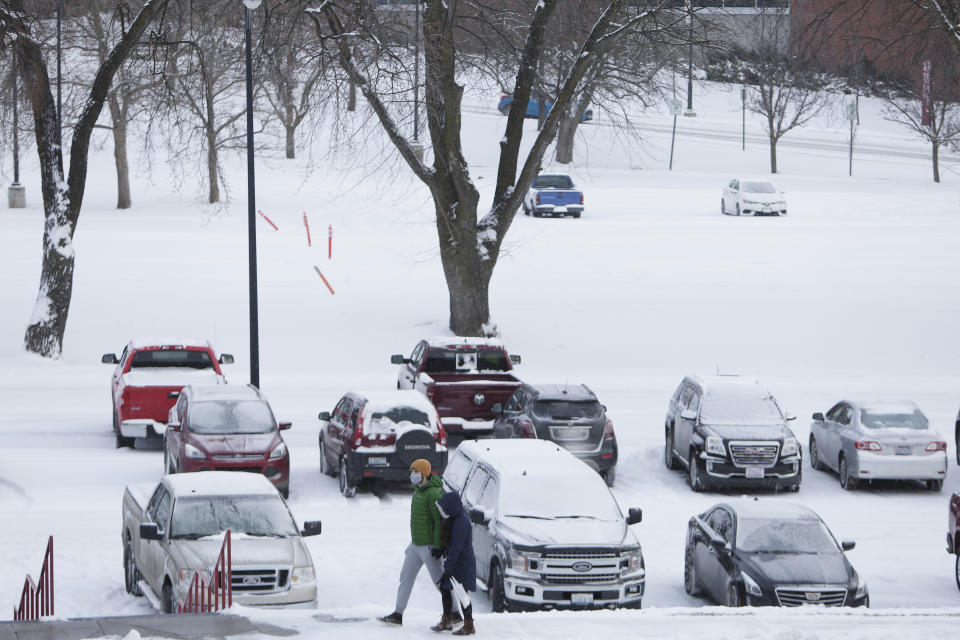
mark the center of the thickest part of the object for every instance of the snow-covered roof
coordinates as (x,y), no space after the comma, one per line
(449,341)
(771,509)
(383,400)
(155,341)
(728,383)
(517,457)
(219,483)
(204,392)
(562,392)
(885,406)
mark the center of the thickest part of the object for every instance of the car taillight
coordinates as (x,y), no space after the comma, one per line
(937,446)
(608,431)
(430,392)
(527,430)
(538,198)
(358,432)
(503,95)
(581,198)
(868,445)
(441,435)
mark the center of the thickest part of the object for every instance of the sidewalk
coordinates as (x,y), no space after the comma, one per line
(186,627)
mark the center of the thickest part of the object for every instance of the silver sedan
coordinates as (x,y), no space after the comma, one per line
(878,441)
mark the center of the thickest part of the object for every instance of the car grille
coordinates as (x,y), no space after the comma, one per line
(558,578)
(255,469)
(259,580)
(754,454)
(239,457)
(575,566)
(795,597)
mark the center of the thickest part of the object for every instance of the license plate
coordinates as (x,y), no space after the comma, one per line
(754,472)
(377,461)
(581,598)
(570,433)
(903,451)
(766,209)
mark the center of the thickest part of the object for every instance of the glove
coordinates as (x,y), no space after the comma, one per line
(445,578)
(436,553)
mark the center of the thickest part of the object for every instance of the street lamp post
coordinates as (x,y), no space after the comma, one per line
(690,112)
(252,209)
(59,64)
(16,195)
(416,144)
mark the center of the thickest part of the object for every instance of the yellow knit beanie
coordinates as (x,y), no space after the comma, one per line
(423,466)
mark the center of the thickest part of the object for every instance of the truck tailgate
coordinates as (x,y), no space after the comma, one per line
(471,396)
(558,197)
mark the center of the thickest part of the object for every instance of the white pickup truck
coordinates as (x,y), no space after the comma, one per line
(176,528)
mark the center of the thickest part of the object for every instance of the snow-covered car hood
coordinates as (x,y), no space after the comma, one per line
(749,432)
(247,551)
(235,442)
(797,568)
(170,377)
(565,531)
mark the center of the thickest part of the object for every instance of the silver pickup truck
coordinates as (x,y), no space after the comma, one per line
(174,529)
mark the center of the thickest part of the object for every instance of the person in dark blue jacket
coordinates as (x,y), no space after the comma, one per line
(459,565)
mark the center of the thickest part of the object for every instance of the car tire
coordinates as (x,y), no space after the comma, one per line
(935,485)
(956,570)
(690,583)
(846,482)
(669,458)
(131,575)
(121,442)
(734,599)
(738,208)
(576,215)
(693,473)
(168,467)
(285,492)
(325,467)
(536,214)
(167,602)
(814,455)
(526,209)
(504,110)
(956,440)
(723,207)
(609,476)
(497,593)
(348,489)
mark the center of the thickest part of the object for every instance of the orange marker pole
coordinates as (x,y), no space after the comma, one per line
(306,223)
(275,228)
(324,279)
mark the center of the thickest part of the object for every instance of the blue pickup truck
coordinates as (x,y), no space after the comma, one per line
(553,195)
(533,108)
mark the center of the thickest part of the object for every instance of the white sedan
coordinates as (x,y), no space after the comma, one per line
(752,198)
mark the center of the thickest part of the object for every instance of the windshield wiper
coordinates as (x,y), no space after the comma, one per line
(517,515)
(571,517)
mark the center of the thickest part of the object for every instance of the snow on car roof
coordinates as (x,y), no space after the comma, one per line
(202,392)
(522,456)
(886,406)
(383,400)
(729,384)
(771,509)
(562,392)
(142,343)
(220,483)
(450,341)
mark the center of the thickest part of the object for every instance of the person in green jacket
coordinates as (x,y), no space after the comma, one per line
(426,546)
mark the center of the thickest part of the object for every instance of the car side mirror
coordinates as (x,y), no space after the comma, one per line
(496,409)
(847,545)
(173,395)
(311,528)
(285,425)
(226,358)
(173,424)
(719,544)
(477,516)
(109,358)
(790,416)
(634,515)
(397,359)
(687,414)
(514,358)
(324,415)
(818,416)
(150,531)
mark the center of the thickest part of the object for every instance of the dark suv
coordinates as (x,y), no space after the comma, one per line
(569,415)
(729,431)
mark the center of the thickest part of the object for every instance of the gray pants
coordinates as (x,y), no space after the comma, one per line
(416,556)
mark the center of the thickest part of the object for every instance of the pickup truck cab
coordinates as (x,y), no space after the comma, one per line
(553,195)
(146,374)
(174,529)
(547,532)
(463,378)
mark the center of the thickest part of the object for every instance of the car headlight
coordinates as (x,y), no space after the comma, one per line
(750,202)
(193,452)
(524,561)
(715,446)
(303,575)
(185,576)
(751,585)
(789,447)
(631,561)
(279,451)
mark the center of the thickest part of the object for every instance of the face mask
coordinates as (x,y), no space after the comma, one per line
(416,478)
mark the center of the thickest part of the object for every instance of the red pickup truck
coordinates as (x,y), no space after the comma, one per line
(149,375)
(463,377)
(953,531)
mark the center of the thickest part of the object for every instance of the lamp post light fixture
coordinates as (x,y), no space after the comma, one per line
(252,209)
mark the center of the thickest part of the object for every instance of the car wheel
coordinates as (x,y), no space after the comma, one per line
(526,209)
(609,476)
(956,440)
(669,459)
(325,467)
(814,455)
(935,485)
(693,474)
(956,571)
(734,599)
(576,215)
(166,598)
(738,208)
(285,492)
(498,596)
(131,575)
(723,207)
(121,442)
(690,583)
(505,110)
(346,487)
(846,482)
(536,214)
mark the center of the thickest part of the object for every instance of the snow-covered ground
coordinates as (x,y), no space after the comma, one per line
(856,292)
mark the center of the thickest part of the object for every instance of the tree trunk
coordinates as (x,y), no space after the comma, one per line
(936,160)
(212,165)
(566,133)
(352,96)
(291,129)
(466,272)
(120,152)
(773,154)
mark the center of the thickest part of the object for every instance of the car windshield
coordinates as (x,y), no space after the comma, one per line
(441,360)
(390,420)
(552,182)
(191,358)
(758,187)
(742,407)
(872,419)
(220,417)
(784,536)
(557,496)
(566,410)
(212,515)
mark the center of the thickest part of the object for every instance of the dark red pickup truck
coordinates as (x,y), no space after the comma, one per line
(463,377)
(953,533)
(147,373)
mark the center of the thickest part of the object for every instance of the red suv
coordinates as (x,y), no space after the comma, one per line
(226,428)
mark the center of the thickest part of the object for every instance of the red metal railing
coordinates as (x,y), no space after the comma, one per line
(37,600)
(203,597)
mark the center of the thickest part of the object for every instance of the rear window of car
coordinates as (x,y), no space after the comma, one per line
(566,410)
(441,360)
(888,420)
(191,358)
(553,182)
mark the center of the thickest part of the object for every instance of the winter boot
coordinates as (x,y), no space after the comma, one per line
(447,623)
(394,618)
(467,628)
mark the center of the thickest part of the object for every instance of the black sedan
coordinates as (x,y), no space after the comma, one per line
(769,554)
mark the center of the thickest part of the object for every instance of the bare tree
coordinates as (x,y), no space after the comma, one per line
(469,243)
(62,194)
